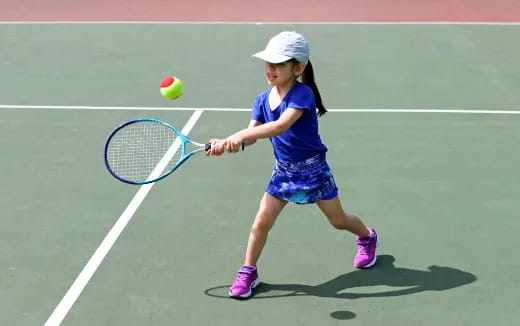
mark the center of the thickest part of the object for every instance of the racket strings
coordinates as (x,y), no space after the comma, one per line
(136,150)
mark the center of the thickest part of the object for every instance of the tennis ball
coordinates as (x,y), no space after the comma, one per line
(171,87)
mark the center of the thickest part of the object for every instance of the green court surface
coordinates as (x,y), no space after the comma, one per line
(441,188)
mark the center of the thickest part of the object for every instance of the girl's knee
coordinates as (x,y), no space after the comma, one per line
(342,221)
(265,219)
(337,223)
(261,225)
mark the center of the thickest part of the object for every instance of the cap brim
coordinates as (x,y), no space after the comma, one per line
(271,57)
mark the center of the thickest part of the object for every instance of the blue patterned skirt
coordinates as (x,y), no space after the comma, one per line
(303,182)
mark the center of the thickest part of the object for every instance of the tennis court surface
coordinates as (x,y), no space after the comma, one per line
(423,140)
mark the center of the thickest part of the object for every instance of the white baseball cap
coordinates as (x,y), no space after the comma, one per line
(285,46)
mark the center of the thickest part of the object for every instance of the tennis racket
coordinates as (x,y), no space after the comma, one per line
(147,150)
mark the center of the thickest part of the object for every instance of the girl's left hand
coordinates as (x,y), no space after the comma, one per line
(233,143)
(217,147)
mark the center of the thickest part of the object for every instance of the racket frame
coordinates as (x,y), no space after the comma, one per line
(184,156)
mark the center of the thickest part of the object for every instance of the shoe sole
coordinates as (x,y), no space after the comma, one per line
(373,262)
(247,294)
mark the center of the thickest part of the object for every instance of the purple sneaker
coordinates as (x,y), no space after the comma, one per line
(247,279)
(366,254)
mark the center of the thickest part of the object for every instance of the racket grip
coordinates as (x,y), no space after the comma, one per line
(208,146)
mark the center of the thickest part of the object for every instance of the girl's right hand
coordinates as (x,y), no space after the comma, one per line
(217,147)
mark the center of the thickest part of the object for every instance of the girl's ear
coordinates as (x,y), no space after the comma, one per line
(299,68)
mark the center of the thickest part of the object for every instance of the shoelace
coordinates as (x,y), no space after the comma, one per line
(242,277)
(364,246)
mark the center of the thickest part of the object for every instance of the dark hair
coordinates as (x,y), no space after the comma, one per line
(308,79)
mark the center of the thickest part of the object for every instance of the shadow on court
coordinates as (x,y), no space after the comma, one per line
(410,281)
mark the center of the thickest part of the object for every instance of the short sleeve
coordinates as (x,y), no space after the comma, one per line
(258,110)
(303,98)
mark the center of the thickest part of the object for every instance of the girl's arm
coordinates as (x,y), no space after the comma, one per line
(219,150)
(266,130)
(252,124)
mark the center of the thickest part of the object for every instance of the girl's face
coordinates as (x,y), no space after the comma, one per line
(285,73)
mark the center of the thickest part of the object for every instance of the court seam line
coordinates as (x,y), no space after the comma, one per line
(137,108)
(145,22)
(79,284)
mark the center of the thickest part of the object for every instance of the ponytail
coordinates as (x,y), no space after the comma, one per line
(308,79)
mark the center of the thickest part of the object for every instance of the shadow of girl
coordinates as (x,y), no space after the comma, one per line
(436,278)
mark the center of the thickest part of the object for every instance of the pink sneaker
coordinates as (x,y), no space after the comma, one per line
(247,279)
(366,254)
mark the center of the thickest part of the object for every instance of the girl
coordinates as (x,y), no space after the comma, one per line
(287,114)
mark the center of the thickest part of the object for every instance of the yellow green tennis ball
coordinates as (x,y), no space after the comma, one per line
(171,87)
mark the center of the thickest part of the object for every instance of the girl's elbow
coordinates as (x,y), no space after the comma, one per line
(280,129)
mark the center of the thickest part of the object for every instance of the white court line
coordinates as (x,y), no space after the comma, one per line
(90,268)
(468,111)
(137,108)
(129,108)
(115,22)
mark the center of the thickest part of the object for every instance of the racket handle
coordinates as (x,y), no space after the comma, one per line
(208,146)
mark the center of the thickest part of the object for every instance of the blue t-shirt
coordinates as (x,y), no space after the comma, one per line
(302,139)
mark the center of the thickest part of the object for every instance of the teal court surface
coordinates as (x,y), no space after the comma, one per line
(423,140)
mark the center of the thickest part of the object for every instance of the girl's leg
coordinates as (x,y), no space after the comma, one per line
(341,220)
(270,208)
(247,276)
(367,238)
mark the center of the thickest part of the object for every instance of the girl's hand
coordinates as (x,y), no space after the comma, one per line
(217,147)
(233,143)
